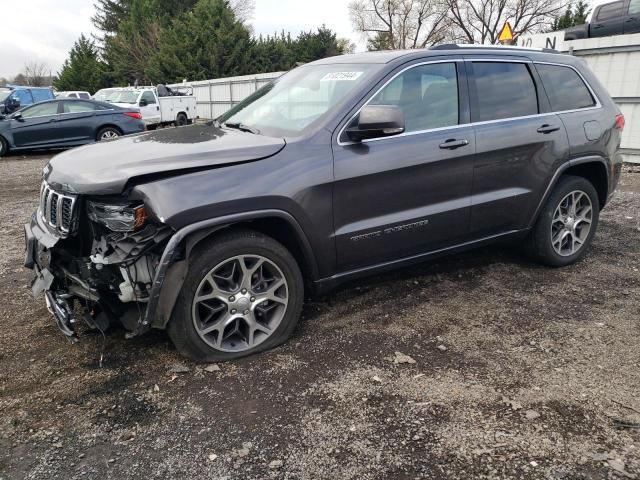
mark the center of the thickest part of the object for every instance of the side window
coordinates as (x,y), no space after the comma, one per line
(41,95)
(41,110)
(610,10)
(79,107)
(504,90)
(84,95)
(23,96)
(634,7)
(149,97)
(564,87)
(427,95)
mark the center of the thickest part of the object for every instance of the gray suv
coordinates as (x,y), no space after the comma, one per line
(341,168)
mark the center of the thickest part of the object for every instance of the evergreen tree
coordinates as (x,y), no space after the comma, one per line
(571,17)
(580,14)
(83,70)
(206,42)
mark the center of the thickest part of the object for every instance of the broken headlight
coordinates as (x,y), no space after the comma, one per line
(117,218)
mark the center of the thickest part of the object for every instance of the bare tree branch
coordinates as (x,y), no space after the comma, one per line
(402,23)
(36,74)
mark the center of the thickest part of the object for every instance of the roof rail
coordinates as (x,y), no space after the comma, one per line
(454,46)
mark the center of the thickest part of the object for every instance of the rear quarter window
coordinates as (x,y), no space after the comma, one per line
(565,88)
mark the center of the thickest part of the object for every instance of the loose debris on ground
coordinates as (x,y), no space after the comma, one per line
(482,365)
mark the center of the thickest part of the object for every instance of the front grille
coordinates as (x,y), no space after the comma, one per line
(57,210)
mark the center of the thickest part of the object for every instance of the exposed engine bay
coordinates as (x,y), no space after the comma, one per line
(96,261)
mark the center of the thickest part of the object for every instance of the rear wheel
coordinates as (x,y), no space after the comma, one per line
(241,296)
(181,120)
(108,133)
(567,223)
(4,147)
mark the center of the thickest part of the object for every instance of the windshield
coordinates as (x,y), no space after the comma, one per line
(104,94)
(117,96)
(293,102)
(4,94)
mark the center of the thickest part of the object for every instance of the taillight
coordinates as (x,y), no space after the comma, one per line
(619,122)
(135,115)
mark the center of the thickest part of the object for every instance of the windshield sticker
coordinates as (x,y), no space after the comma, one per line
(336,76)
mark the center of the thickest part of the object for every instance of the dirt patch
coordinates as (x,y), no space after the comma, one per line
(520,372)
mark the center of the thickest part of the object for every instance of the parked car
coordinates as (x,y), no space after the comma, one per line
(156,109)
(13,98)
(341,168)
(74,94)
(615,18)
(65,123)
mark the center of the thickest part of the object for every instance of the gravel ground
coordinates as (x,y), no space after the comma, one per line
(504,369)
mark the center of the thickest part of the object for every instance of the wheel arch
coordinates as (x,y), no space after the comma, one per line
(593,168)
(170,275)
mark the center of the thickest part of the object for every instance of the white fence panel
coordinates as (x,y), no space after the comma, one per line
(214,97)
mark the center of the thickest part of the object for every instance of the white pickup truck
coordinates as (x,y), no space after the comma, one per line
(156,110)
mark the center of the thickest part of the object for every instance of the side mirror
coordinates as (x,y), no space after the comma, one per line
(377,121)
(17,116)
(13,104)
(143,103)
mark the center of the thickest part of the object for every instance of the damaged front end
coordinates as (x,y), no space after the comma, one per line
(94,259)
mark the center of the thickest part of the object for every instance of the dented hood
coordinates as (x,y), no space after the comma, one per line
(106,168)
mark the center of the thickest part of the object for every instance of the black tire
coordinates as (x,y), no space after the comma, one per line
(181,328)
(4,147)
(181,120)
(539,243)
(103,132)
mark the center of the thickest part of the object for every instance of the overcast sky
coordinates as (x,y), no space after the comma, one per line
(51,26)
(45,30)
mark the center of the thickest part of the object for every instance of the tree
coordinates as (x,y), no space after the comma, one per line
(399,24)
(480,21)
(83,70)
(571,17)
(36,74)
(206,42)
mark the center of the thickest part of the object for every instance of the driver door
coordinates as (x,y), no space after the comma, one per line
(149,108)
(37,125)
(400,196)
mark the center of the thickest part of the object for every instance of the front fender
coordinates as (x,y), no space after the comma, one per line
(170,274)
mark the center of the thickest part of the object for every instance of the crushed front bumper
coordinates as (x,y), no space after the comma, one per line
(38,245)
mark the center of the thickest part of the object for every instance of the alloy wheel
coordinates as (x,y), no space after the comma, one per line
(240,303)
(571,223)
(109,134)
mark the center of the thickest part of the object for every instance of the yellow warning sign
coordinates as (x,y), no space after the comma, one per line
(506,33)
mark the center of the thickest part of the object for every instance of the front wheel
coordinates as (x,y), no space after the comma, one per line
(241,296)
(4,147)
(108,133)
(567,223)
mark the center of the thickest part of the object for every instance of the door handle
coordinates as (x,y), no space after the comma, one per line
(632,19)
(598,26)
(546,128)
(452,144)
(53,120)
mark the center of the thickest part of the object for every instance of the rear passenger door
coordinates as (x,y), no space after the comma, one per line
(517,144)
(632,19)
(77,122)
(608,20)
